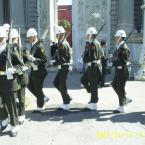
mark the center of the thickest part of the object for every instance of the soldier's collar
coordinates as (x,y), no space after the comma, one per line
(118,46)
(34,42)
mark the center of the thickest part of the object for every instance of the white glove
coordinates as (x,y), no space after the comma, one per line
(10,72)
(109,64)
(51,62)
(128,63)
(98,61)
(80,60)
(24,68)
(71,61)
(32,58)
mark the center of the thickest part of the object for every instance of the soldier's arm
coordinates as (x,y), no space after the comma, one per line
(42,55)
(123,57)
(98,51)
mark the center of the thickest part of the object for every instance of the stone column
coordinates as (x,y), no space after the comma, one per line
(47,18)
(87,14)
(143,8)
(17,13)
(75,39)
(126,15)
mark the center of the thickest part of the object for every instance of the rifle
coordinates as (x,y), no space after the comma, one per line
(101,28)
(41,39)
(20,49)
(60,45)
(66,35)
(116,54)
(8,58)
(128,35)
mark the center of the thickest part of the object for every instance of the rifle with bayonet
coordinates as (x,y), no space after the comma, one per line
(119,49)
(10,70)
(8,57)
(40,40)
(60,46)
(101,28)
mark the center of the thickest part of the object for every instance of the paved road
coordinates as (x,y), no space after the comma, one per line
(79,127)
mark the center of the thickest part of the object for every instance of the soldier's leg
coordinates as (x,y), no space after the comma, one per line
(38,86)
(93,77)
(56,81)
(3,113)
(121,92)
(21,104)
(115,84)
(62,86)
(10,100)
(31,85)
(21,98)
(85,81)
(103,76)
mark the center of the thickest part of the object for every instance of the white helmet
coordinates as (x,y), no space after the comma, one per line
(59,30)
(91,31)
(14,33)
(120,33)
(31,32)
(3,32)
(6,26)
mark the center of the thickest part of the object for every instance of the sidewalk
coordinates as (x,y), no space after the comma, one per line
(79,127)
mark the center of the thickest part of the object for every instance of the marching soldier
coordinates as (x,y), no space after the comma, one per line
(38,70)
(91,57)
(120,60)
(104,63)
(62,60)
(22,74)
(8,87)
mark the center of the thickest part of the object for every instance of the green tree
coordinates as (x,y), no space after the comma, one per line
(65,24)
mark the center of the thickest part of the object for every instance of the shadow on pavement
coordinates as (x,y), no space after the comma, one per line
(132,117)
(80,114)
(74,115)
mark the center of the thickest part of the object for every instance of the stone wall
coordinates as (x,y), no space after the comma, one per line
(85,14)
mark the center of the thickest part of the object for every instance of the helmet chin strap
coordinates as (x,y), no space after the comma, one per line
(118,41)
(90,38)
(34,40)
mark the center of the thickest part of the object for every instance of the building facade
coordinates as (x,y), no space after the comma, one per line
(40,14)
(65,13)
(116,14)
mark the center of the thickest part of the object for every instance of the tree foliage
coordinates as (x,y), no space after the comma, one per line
(65,24)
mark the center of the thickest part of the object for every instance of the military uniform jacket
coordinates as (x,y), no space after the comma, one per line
(5,84)
(62,54)
(39,52)
(92,52)
(19,61)
(120,59)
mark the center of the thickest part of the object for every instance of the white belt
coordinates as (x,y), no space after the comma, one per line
(65,64)
(59,66)
(119,67)
(89,63)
